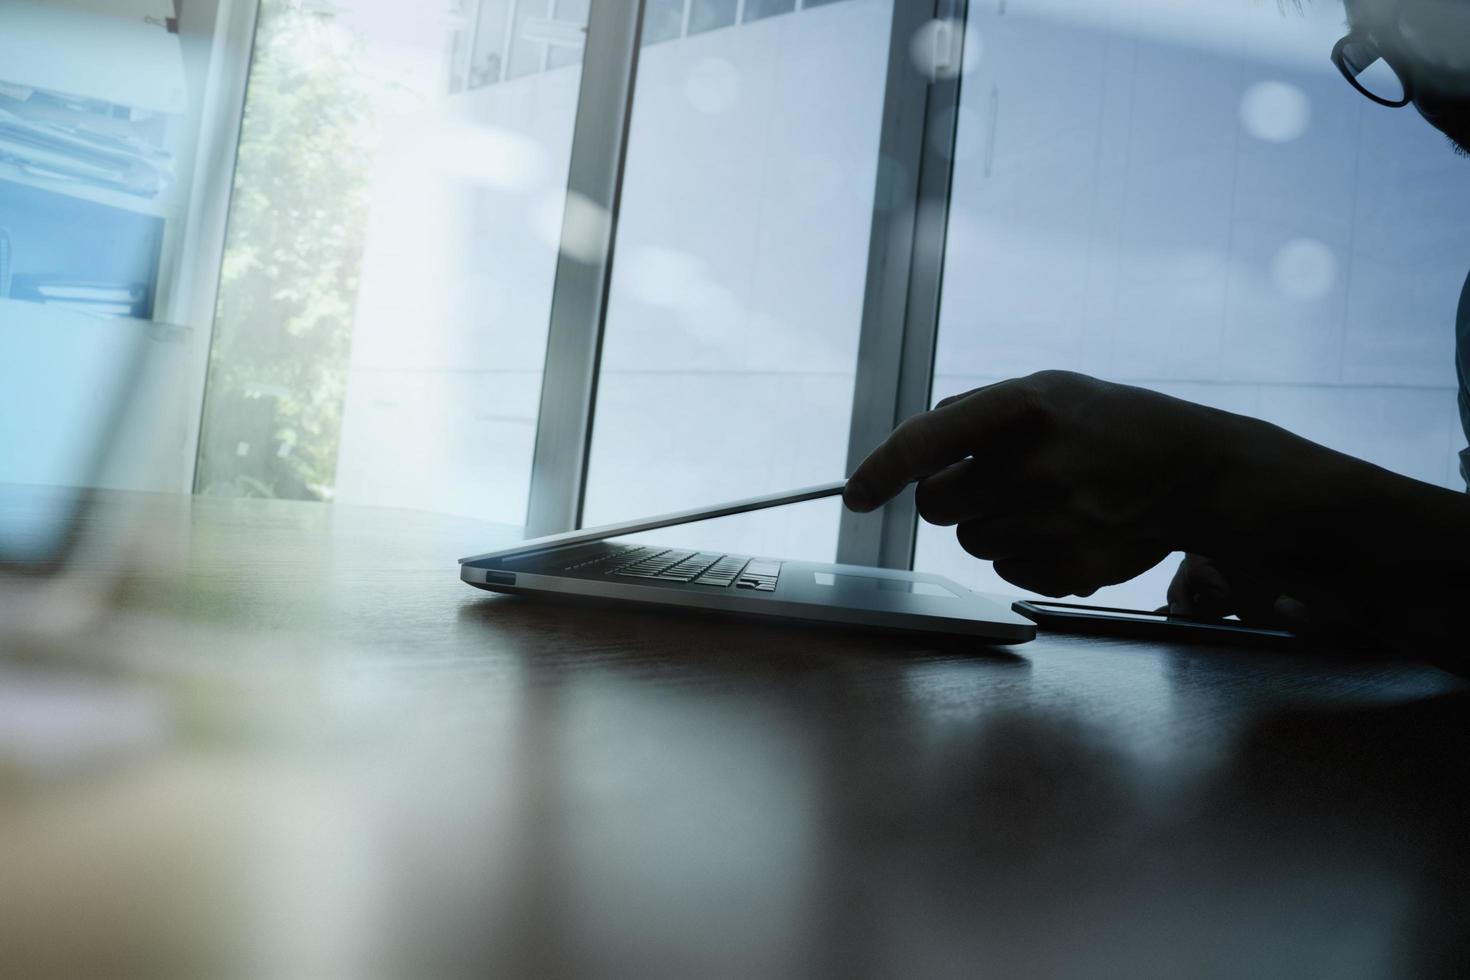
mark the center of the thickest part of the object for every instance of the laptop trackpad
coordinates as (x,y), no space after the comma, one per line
(851,584)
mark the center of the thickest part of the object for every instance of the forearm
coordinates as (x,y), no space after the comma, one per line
(1328,528)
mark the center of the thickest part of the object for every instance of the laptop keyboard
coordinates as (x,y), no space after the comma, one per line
(699,567)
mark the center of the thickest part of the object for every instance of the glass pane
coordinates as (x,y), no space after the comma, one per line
(737,289)
(757,9)
(1203,207)
(1382,81)
(528,46)
(104,111)
(663,20)
(482,46)
(707,15)
(387,285)
(63,373)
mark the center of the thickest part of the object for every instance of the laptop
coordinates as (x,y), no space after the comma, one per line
(589,565)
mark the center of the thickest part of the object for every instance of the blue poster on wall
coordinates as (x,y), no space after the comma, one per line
(76,253)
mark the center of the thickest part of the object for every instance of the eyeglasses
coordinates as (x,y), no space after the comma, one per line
(1361,61)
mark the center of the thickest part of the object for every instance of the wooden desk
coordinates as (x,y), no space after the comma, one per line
(370,769)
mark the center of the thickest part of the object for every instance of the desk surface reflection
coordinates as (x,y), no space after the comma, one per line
(353,765)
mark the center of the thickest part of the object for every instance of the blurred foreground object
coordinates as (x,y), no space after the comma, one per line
(295,746)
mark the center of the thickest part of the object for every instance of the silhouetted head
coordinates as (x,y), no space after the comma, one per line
(1399,52)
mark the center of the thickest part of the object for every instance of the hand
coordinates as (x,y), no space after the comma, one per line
(1067,483)
(1203,589)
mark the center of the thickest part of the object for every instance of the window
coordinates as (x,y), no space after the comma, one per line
(383,311)
(1202,206)
(757,9)
(707,15)
(731,335)
(663,20)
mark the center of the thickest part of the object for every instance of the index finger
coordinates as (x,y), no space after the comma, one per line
(928,442)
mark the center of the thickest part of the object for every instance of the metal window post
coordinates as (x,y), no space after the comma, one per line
(192,297)
(905,267)
(579,298)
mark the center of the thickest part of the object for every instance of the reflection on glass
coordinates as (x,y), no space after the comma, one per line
(65,375)
(1381,80)
(757,9)
(387,282)
(663,20)
(93,135)
(707,15)
(1202,206)
(102,107)
(737,290)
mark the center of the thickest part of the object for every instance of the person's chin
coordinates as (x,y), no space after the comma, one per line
(1459,141)
(1457,132)
(1452,120)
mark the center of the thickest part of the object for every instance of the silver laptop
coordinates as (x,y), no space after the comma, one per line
(587,564)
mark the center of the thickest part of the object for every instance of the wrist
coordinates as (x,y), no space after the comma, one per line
(1253,480)
(1270,499)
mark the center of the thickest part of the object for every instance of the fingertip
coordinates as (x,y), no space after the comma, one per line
(856,498)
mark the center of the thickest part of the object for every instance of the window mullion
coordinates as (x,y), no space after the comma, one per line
(905,270)
(579,298)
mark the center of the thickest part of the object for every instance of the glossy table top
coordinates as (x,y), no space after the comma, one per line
(290,742)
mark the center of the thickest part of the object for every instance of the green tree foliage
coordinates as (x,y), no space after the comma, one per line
(288,289)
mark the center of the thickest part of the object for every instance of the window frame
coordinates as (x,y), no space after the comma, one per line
(905,281)
(579,296)
(217,153)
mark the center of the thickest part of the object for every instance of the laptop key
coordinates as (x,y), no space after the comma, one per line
(690,569)
(657,566)
(722,574)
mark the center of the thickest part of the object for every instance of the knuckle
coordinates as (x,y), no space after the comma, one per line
(1046,394)
(1046,378)
(928,504)
(911,441)
(973,540)
(1035,397)
(952,399)
(1055,378)
(949,400)
(1088,513)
